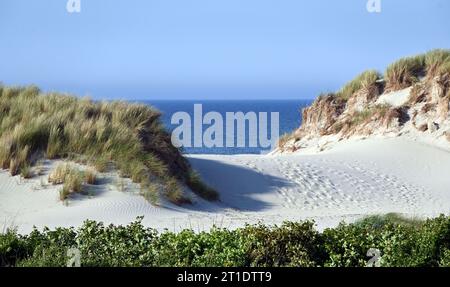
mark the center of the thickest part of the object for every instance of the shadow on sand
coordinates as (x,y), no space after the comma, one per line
(239,187)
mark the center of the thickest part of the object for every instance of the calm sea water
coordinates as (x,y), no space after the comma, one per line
(289,114)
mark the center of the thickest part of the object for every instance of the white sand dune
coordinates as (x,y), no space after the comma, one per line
(350,181)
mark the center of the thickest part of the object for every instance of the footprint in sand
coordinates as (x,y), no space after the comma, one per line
(323,185)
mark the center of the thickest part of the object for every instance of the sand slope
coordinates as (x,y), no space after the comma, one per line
(351,180)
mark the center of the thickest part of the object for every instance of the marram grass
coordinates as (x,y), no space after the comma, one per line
(437,62)
(366,80)
(405,72)
(401,74)
(129,136)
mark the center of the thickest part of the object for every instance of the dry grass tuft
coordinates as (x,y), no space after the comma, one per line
(174,193)
(437,62)
(150,192)
(90,176)
(365,81)
(404,72)
(74,182)
(58,175)
(26,172)
(101,164)
(407,71)
(71,178)
(195,183)
(284,139)
(379,111)
(447,135)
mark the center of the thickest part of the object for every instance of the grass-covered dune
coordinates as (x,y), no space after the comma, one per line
(401,74)
(131,137)
(401,243)
(418,71)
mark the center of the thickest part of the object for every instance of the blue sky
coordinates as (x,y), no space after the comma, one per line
(218,49)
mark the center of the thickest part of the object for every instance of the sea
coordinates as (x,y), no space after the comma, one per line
(289,118)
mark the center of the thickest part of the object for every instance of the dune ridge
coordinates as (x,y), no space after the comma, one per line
(36,126)
(411,99)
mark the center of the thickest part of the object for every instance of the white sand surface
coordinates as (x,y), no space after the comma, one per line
(395,99)
(350,181)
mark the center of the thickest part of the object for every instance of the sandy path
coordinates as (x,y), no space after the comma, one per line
(346,183)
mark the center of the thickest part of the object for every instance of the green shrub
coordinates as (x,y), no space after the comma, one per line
(417,246)
(445,258)
(13,247)
(217,248)
(347,245)
(51,256)
(291,244)
(402,242)
(111,245)
(379,221)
